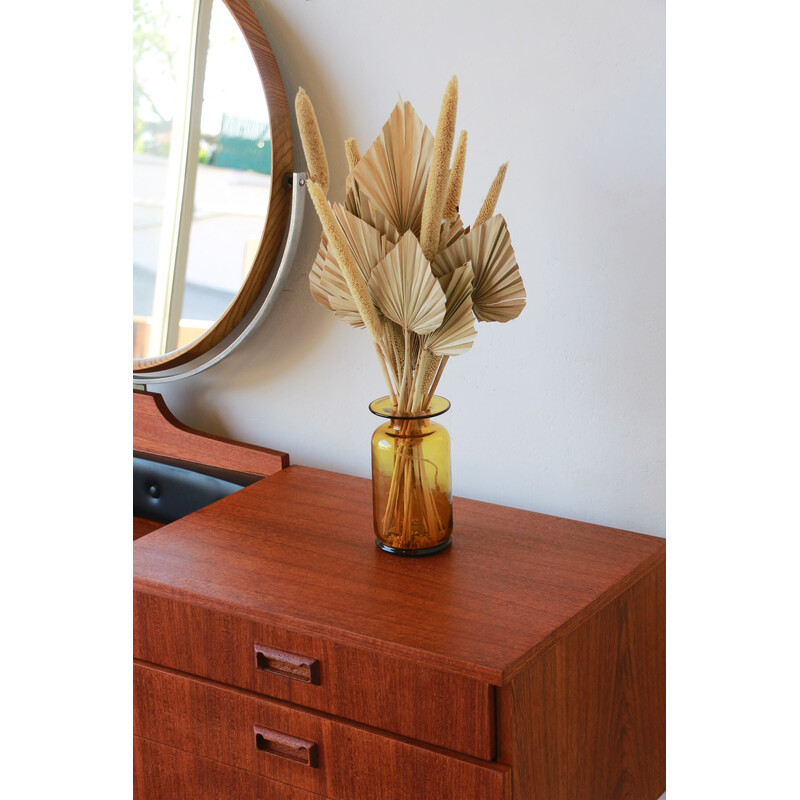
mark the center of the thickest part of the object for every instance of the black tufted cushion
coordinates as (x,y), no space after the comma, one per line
(164,493)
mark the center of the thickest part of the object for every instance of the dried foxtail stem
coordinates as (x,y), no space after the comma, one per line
(431,370)
(436,190)
(353,277)
(490,203)
(394,338)
(347,264)
(427,366)
(352,153)
(456,181)
(314,149)
(436,380)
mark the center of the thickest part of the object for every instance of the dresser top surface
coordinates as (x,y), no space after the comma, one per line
(297,549)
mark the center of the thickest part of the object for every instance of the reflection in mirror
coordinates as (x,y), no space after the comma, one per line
(201,169)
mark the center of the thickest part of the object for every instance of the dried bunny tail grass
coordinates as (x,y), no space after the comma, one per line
(435,382)
(490,203)
(352,153)
(395,346)
(347,264)
(431,370)
(456,179)
(314,149)
(436,190)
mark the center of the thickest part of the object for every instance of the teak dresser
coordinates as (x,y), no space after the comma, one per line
(279,655)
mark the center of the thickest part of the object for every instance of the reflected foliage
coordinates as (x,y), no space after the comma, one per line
(152,60)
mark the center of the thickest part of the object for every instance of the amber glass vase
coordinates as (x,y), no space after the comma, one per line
(412,499)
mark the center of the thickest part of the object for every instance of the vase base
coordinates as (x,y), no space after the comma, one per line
(414,553)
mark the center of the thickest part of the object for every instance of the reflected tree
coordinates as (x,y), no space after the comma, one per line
(152,68)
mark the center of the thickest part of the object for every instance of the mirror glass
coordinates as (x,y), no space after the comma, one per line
(201,169)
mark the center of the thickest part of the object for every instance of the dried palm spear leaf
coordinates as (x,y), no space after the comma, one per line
(328,284)
(352,198)
(339,296)
(359,205)
(394,171)
(329,287)
(341,251)
(457,331)
(315,278)
(498,294)
(366,243)
(452,229)
(379,221)
(405,290)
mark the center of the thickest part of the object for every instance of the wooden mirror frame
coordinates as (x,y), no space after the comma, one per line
(279,201)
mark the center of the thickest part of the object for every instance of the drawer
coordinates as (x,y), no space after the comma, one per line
(161,772)
(403,697)
(164,773)
(303,749)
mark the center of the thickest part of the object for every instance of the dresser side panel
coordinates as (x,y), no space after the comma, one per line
(587,719)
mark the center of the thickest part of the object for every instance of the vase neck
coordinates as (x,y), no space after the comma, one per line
(383,407)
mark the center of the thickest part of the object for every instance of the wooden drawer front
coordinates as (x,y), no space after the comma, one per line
(164,773)
(433,706)
(301,748)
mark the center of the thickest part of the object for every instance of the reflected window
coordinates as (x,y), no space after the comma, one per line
(201,169)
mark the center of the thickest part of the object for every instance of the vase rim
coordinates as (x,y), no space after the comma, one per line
(382,407)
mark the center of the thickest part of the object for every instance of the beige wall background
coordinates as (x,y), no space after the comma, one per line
(563,410)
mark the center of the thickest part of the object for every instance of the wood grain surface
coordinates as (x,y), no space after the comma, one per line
(141,527)
(296,551)
(157,433)
(587,720)
(360,684)
(166,773)
(350,762)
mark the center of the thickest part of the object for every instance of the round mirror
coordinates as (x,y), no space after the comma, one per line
(212,166)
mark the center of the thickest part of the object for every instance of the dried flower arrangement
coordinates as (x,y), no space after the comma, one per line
(396,258)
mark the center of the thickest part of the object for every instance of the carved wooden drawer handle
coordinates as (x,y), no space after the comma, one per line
(289,665)
(285,746)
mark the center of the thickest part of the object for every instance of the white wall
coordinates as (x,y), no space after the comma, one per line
(562,410)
